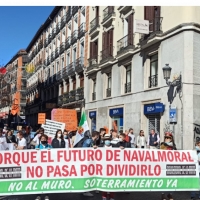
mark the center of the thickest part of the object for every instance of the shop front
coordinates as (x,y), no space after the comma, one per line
(93,124)
(117,118)
(153,112)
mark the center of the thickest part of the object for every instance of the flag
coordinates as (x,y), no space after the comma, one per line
(83,127)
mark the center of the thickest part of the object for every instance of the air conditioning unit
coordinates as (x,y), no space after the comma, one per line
(94,61)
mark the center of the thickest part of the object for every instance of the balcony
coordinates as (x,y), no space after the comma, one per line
(125,47)
(93,96)
(108,92)
(93,65)
(68,42)
(57,52)
(106,57)
(53,33)
(94,26)
(53,78)
(153,81)
(62,47)
(60,100)
(40,46)
(81,30)
(49,38)
(68,15)
(80,93)
(46,43)
(79,65)
(124,9)
(155,28)
(108,16)
(74,37)
(52,56)
(23,74)
(72,95)
(59,75)
(47,61)
(74,10)
(63,22)
(58,27)
(65,73)
(127,88)
(71,69)
(23,89)
(23,101)
(65,98)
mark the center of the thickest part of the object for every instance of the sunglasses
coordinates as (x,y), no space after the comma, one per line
(168,137)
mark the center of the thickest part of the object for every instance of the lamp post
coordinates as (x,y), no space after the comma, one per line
(177,82)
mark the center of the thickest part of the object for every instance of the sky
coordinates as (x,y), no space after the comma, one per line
(18,25)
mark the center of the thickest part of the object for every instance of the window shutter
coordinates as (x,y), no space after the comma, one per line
(94,50)
(91,55)
(111,42)
(130,29)
(104,41)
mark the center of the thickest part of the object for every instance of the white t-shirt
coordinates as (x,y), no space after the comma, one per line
(36,139)
(67,143)
(132,138)
(114,140)
(22,143)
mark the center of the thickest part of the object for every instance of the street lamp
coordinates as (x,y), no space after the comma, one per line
(176,85)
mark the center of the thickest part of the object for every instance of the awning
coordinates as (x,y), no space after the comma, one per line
(154,108)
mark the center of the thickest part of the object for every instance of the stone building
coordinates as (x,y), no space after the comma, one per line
(125,87)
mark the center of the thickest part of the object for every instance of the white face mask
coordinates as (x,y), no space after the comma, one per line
(59,135)
(120,139)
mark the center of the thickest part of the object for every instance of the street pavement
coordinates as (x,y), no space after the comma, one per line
(118,196)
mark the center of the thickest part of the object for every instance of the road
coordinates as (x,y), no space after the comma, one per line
(118,196)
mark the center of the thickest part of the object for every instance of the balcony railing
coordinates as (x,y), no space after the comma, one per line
(65,73)
(63,22)
(62,47)
(94,24)
(74,37)
(68,42)
(59,75)
(106,53)
(49,38)
(80,93)
(65,98)
(93,96)
(74,10)
(68,15)
(125,42)
(58,27)
(81,30)
(52,56)
(60,100)
(156,24)
(108,92)
(107,12)
(79,65)
(53,78)
(92,63)
(46,43)
(153,81)
(23,88)
(57,52)
(71,69)
(53,33)
(72,95)
(127,87)
(47,61)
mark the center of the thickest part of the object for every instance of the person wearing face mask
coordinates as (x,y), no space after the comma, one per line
(11,140)
(58,141)
(68,141)
(91,142)
(168,143)
(3,143)
(122,142)
(43,143)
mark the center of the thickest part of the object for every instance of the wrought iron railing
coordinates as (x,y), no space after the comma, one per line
(57,52)
(68,15)
(65,98)
(52,56)
(81,30)
(59,75)
(94,24)
(46,42)
(58,27)
(106,53)
(108,92)
(53,33)
(60,100)
(153,81)
(80,93)
(107,12)
(71,69)
(49,38)
(74,10)
(74,37)
(155,25)
(79,64)
(68,42)
(63,21)
(124,42)
(65,72)
(62,47)
(127,87)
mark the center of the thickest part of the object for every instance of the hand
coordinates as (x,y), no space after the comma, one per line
(155,142)
(148,146)
(95,147)
(49,149)
(37,149)
(121,147)
(39,135)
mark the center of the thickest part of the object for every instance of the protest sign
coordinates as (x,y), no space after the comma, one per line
(81,170)
(67,116)
(50,127)
(41,118)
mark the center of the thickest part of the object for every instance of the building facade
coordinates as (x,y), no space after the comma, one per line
(13,89)
(125,87)
(58,54)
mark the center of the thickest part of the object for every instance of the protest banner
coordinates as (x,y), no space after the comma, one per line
(41,118)
(67,116)
(81,170)
(50,127)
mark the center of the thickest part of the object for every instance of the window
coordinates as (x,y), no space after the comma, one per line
(82,50)
(69,30)
(94,50)
(68,59)
(75,24)
(82,81)
(52,70)
(108,90)
(128,79)
(94,90)
(153,78)
(57,66)
(74,54)
(74,83)
(63,62)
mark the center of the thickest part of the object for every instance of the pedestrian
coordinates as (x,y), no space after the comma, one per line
(43,144)
(3,143)
(27,136)
(153,140)
(141,140)
(115,138)
(107,144)
(91,142)
(122,142)
(21,141)
(132,136)
(111,130)
(58,141)
(194,193)
(11,140)
(102,132)
(36,140)
(127,137)
(68,141)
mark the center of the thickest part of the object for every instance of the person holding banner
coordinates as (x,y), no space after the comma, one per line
(43,144)
(11,140)
(3,143)
(21,141)
(68,141)
(58,141)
